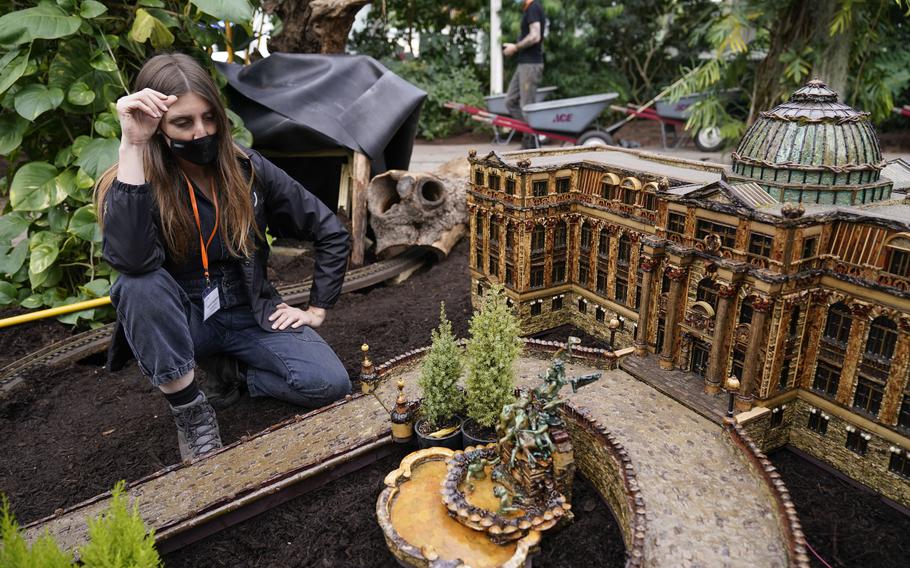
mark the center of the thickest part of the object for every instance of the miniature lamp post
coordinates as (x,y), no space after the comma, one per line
(367,374)
(732,386)
(613,325)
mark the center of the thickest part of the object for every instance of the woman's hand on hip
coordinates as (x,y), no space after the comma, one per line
(140,113)
(286,316)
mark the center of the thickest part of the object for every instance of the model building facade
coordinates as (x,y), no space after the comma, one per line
(790,270)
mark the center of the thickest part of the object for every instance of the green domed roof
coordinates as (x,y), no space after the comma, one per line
(813,149)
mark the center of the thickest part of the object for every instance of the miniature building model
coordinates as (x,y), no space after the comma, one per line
(790,270)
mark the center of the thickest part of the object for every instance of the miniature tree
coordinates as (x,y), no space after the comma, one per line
(14,551)
(119,537)
(439,375)
(491,352)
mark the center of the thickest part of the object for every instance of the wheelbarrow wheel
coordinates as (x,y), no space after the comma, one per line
(709,139)
(596,137)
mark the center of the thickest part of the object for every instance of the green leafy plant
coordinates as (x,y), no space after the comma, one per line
(439,375)
(491,353)
(119,537)
(63,65)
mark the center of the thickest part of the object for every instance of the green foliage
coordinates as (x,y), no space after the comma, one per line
(491,353)
(63,65)
(439,374)
(15,552)
(118,539)
(442,84)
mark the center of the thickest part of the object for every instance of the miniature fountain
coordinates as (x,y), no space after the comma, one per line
(487,506)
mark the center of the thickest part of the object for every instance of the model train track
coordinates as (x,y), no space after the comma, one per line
(96,341)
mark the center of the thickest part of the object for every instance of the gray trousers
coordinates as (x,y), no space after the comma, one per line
(523,88)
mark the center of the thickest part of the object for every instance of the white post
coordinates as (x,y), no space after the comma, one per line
(495,48)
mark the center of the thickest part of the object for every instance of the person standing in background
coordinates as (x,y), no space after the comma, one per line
(523,86)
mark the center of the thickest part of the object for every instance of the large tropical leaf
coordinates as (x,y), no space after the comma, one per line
(14,258)
(91,9)
(12,225)
(12,128)
(34,187)
(71,65)
(238,11)
(12,66)
(148,27)
(107,125)
(44,21)
(98,155)
(34,100)
(84,224)
(80,94)
(44,246)
(8,293)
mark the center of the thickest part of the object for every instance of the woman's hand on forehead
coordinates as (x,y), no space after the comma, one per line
(140,113)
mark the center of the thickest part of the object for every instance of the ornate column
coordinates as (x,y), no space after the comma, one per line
(634,255)
(816,313)
(504,224)
(675,298)
(644,312)
(752,367)
(472,229)
(549,241)
(720,345)
(853,353)
(482,266)
(615,235)
(897,375)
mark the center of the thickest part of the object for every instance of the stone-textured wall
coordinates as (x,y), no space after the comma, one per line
(870,469)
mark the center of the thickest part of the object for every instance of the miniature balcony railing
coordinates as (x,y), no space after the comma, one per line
(894,281)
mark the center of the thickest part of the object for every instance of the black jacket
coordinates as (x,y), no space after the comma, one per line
(133,243)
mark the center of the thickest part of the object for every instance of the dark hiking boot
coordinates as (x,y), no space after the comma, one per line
(226,378)
(197,428)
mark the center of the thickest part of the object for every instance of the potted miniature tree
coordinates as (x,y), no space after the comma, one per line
(440,424)
(491,353)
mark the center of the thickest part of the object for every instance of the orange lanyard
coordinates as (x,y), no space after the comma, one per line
(202,244)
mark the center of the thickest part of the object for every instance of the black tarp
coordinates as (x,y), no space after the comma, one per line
(303,103)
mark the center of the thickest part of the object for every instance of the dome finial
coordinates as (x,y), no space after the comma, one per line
(815,90)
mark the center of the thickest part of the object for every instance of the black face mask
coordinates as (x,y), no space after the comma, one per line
(201,151)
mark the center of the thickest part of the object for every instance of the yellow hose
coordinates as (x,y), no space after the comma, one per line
(58,311)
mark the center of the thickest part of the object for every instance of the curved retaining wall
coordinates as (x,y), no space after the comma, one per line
(791,528)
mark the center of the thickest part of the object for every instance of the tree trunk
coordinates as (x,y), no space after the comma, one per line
(794,27)
(833,59)
(313,26)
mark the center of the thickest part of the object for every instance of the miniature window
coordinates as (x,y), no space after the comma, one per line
(726,233)
(897,261)
(586,237)
(676,223)
(809,247)
(536,276)
(494,182)
(562,184)
(794,321)
(601,282)
(538,239)
(660,334)
(899,463)
(493,266)
(603,245)
(479,289)
(837,327)
(868,396)
(556,304)
(777,417)
(606,190)
(510,186)
(706,292)
(536,308)
(478,177)
(760,245)
(478,257)
(784,373)
(559,272)
(539,188)
(882,339)
(582,305)
(510,238)
(857,441)
(625,250)
(478,226)
(494,232)
(629,196)
(903,415)
(739,359)
(827,377)
(664,283)
(818,422)
(559,236)
(745,310)
(650,202)
(583,272)
(637,296)
(622,290)
(510,275)
(600,315)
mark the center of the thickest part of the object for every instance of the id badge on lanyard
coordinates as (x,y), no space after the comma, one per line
(211,301)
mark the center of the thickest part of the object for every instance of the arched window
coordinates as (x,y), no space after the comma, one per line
(897,256)
(707,292)
(838,323)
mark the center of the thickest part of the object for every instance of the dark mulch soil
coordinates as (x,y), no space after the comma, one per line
(846,525)
(336,526)
(19,341)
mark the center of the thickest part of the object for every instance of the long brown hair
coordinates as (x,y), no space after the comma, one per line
(177,74)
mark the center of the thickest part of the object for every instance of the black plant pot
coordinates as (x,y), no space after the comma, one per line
(474,434)
(452,441)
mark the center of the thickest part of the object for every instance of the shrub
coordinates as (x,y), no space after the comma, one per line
(439,374)
(118,538)
(15,552)
(491,352)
